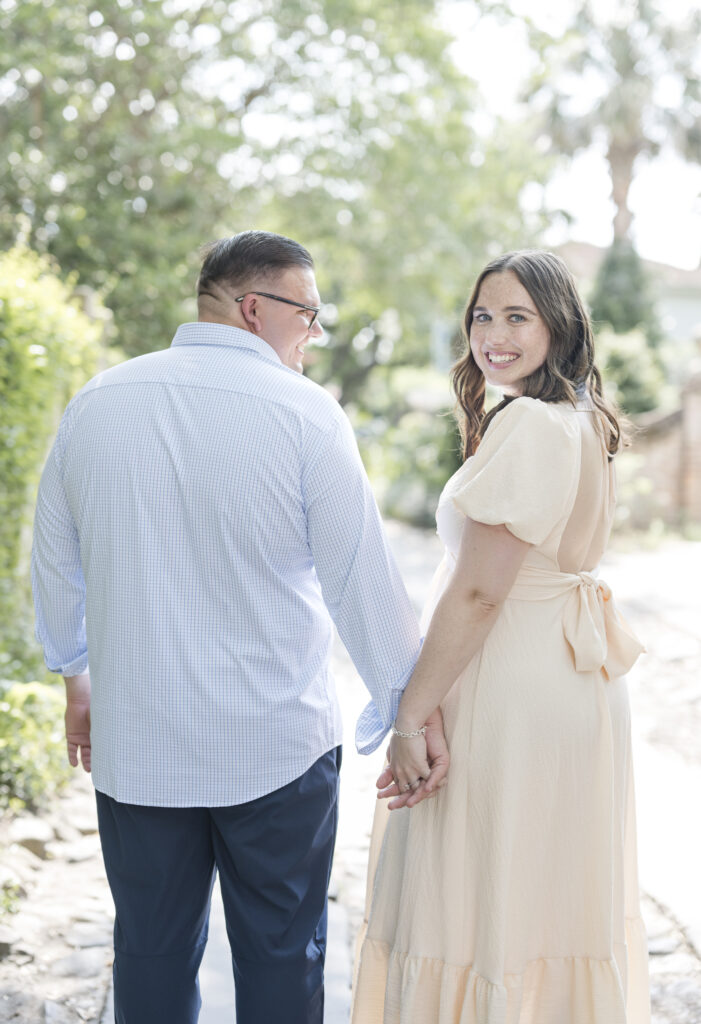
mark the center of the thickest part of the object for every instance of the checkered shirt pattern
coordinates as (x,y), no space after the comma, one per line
(202,518)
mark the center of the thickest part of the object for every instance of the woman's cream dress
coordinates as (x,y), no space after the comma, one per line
(512,896)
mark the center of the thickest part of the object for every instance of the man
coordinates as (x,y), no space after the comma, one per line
(203,510)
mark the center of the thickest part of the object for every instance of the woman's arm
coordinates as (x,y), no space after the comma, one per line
(488,563)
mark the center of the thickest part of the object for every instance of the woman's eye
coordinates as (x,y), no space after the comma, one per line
(481,318)
(517,318)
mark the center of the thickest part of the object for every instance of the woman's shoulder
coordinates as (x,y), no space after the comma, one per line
(533,415)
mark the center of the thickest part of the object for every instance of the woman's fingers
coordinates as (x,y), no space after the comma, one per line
(418,768)
(408,761)
(389,791)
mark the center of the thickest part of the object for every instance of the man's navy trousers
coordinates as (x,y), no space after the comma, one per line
(273,856)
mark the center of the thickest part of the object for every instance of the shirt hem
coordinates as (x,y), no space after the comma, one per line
(124,794)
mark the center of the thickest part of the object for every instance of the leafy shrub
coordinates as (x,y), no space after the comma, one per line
(33,761)
(623,295)
(409,441)
(632,371)
(628,334)
(48,349)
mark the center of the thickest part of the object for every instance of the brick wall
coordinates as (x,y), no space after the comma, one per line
(691,450)
(662,470)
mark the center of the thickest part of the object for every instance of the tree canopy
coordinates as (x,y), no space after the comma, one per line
(135,130)
(642,71)
(146,128)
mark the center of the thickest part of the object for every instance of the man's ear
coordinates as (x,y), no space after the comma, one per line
(249,311)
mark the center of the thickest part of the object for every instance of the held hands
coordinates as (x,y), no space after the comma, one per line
(418,767)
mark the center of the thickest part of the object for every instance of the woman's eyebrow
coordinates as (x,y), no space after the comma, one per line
(507,309)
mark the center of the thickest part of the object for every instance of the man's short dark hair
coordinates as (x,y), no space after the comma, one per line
(249,256)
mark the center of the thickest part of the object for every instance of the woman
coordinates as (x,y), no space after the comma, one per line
(512,896)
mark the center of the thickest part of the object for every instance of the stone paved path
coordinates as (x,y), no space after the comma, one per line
(59,942)
(55,952)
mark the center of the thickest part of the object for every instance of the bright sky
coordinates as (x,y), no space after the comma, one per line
(666,194)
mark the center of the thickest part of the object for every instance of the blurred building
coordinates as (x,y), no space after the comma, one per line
(677,292)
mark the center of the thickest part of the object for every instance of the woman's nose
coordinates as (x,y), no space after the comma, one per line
(498,334)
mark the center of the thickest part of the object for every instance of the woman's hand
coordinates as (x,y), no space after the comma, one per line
(422,760)
(408,762)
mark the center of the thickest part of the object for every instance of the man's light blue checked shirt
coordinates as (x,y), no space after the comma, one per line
(201,519)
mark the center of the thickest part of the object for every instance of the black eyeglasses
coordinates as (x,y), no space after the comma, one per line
(279,298)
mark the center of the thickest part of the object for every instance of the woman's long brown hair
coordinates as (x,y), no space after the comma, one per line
(569,371)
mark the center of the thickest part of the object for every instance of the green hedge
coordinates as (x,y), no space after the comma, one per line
(48,349)
(33,760)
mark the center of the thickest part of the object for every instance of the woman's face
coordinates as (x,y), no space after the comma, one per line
(508,337)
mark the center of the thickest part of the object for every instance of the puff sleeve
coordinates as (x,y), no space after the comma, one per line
(525,472)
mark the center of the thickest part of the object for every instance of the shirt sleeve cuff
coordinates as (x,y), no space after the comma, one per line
(77,667)
(373,725)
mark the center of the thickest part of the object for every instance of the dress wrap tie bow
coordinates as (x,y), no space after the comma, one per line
(599,637)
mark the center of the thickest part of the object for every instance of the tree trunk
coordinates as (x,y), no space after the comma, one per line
(621,158)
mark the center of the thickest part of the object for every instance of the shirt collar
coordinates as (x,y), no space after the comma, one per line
(203,333)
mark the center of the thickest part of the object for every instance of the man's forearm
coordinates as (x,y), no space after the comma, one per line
(78,688)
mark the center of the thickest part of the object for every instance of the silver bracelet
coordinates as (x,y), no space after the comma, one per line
(407,735)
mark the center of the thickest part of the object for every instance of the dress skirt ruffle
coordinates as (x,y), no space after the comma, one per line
(395,988)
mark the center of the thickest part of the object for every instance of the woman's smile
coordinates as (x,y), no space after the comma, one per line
(501,358)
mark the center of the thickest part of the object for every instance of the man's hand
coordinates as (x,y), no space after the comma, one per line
(438,759)
(77,720)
